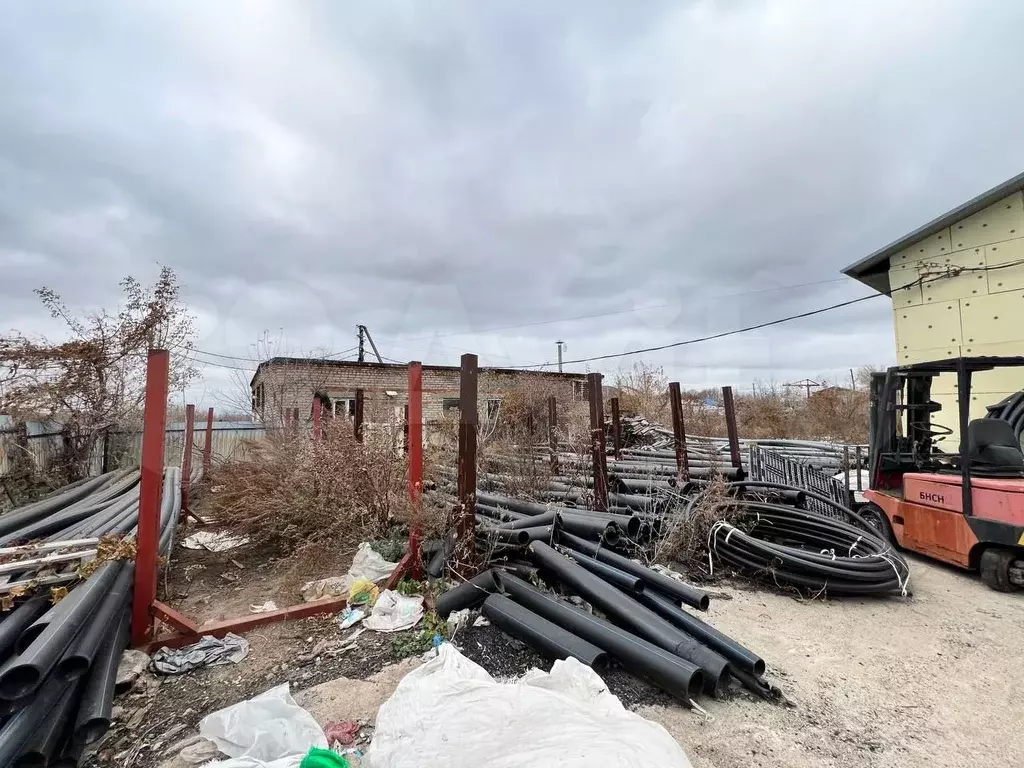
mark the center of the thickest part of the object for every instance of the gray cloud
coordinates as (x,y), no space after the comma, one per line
(437,169)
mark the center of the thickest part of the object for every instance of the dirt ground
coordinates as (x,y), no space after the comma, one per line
(932,680)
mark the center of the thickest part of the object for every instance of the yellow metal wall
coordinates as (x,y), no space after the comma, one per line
(942,309)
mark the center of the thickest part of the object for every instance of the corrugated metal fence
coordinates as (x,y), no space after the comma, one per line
(115,449)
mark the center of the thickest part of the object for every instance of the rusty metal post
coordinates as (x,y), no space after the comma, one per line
(552,437)
(208,445)
(186,456)
(150,490)
(317,415)
(599,460)
(616,429)
(730,424)
(405,430)
(675,399)
(357,419)
(414,438)
(468,421)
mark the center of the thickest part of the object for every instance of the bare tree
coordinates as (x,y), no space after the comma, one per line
(643,390)
(95,379)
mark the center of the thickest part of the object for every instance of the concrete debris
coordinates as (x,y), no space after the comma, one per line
(266,607)
(133,663)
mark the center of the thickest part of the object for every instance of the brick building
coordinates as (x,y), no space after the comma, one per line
(284,383)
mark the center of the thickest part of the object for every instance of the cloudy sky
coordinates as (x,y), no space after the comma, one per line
(495,176)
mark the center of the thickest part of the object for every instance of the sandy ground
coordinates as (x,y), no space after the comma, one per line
(931,681)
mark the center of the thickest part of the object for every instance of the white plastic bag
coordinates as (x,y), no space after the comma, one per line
(451,713)
(267,731)
(394,612)
(367,564)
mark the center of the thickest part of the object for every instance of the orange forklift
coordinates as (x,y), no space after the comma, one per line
(964,508)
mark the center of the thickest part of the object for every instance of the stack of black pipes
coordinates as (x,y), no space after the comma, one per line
(58,662)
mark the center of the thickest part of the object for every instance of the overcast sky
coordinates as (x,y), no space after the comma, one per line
(470,176)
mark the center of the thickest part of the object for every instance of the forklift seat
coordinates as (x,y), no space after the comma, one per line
(994,449)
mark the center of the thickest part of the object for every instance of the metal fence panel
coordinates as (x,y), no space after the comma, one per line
(769,467)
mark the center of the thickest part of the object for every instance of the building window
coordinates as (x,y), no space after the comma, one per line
(343,406)
(258,395)
(449,405)
(579,390)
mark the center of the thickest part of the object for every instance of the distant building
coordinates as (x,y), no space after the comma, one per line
(957,288)
(285,383)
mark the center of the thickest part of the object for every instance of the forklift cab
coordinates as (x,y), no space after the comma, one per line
(951,503)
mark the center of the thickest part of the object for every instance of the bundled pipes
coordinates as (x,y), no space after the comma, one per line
(59,661)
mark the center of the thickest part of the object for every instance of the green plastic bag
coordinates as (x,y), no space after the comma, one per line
(323,758)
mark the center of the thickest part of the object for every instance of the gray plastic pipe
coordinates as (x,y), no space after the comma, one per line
(82,651)
(93,718)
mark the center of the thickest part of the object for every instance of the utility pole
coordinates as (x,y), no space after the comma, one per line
(560,345)
(362,356)
(806,384)
(853,380)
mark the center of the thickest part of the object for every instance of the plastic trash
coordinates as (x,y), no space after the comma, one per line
(208,652)
(394,612)
(450,712)
(267,731)
(367,564)
(323,758)
(363,592)
(350,616)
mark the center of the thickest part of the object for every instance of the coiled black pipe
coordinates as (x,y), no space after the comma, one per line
(665,670)
(697,598)
(539,633)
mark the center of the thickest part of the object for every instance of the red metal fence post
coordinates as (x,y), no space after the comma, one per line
(414,441)
(208,445)
(552,437)
(468,420)
(599,459)
(317,411)
(679,431)
(616,429)
(186,456)
(150,487)
(357,421)
(730,424)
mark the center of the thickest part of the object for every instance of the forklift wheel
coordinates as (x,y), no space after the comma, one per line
(877,521)
(995,568)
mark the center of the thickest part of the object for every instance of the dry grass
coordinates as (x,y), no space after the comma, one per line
(289,491)
(686,540)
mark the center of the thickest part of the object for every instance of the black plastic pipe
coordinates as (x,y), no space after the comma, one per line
(667,671)
(548,518)
(692,596)
(24,723)
(93,719)
(544,636)
(625,610)
(18,620)
(23,673)
(47,738)
(503,515)
(435,566)
(630,524)
(25,515)
(468,594)
(80,655)
(588,527)
(517,538)
(737,655)
(624,581)
(515,505)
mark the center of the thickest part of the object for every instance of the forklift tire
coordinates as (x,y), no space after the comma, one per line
(877,521)
(995,568)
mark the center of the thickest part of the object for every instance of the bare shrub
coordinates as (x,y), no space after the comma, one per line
(289,490)
(686,539)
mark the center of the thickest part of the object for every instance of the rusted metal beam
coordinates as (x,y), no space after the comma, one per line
(414,438)
(552,436)
(208,445)
(357,420)
(186,457)
(173,618)
(245,623)
(675,399)
(150,489)
(616,428)
(599,458)
(730,424)
(468,422)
